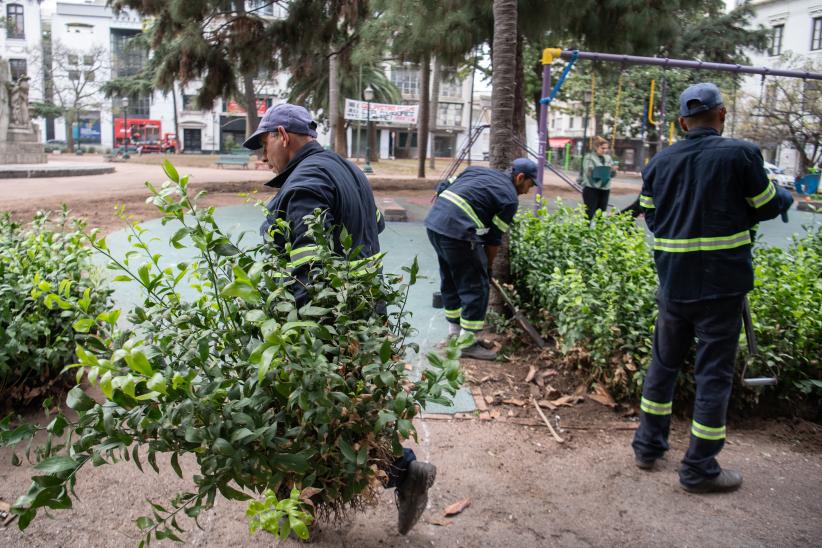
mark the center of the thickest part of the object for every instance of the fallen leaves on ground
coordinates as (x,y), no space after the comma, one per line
(457,507)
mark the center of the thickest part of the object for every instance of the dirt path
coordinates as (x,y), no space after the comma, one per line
(525,490)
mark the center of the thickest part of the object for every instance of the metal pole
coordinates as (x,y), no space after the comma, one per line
(547,59)
(471,106)
(367,167)
(682,63)
(125,130)
(584,137)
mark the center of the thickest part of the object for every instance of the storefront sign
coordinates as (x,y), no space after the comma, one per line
(381,112)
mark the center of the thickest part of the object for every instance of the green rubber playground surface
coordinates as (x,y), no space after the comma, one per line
(401,241)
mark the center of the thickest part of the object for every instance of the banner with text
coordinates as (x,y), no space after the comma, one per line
(381,112)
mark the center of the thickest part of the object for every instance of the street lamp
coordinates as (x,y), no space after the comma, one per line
(125,128)
(368,95)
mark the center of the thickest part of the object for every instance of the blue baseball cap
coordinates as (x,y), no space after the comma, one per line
(292,118)
(702,97)
(525,166)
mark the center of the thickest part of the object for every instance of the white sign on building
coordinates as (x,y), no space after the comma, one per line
(381,112)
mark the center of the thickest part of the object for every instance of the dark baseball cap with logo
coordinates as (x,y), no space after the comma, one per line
(526,167)
(292,118)
(699,98)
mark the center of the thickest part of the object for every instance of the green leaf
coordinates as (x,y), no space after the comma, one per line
(78,400)
(175,465)
(347,450)
(144,522)
(226,249)
(55,465)
(138,362)
(242,291)
(171,172)
(82,325)
(386,351)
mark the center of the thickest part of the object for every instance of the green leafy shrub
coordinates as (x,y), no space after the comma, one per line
(37,341)
(593,288)
(303,406)
(786,307)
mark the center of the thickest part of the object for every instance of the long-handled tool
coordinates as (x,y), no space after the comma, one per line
(752,349)
(519,316)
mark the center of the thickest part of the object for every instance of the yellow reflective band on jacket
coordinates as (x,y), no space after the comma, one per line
(763,197)
(379,215)
(463,205)
(714,243)
(453,314)
(500,224)
(655,408)
(707,432)
(302,255)
(646,201)
(472,325)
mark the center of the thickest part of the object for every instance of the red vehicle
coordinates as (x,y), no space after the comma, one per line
(144,135)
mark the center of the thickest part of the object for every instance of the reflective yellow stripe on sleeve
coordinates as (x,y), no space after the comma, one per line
(302,255)
(646,201)
(500,224)
(763,197)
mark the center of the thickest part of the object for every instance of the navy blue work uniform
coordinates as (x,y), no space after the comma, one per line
(701,198)
(471,211)
(316,178)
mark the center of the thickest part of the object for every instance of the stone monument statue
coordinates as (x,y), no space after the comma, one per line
(18,139)
(19,103)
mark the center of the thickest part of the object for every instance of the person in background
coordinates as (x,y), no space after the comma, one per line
(597,171)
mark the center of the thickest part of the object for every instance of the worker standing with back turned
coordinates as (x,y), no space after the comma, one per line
(465,226)
(701,197)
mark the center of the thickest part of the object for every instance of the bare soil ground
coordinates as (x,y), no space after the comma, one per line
(525,488)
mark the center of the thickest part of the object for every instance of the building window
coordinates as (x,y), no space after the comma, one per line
(450,85)
(449,114)
(15,25)
(407,79)
(18,68)
(190,102)
(127,58)
(816,34)
(776,40)
(260,7)
(570,122)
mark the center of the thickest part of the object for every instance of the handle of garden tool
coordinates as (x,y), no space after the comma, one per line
(749,332)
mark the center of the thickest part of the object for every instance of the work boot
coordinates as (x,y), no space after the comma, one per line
(477,352)
(412,494)
(727,480)
(644,464)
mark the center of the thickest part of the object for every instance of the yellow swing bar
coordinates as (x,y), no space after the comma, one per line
(617,112)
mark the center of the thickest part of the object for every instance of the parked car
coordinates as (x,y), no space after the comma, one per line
(778,176)
(54,145)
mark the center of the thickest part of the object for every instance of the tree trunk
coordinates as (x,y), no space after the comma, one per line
(503,69)
(333,100)
(69,121)
(422,123)
(519,101)
(503,66)
(176,123)
(340,139)
(435,102)
(249,97)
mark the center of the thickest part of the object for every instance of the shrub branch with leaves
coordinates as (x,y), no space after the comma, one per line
(304,407)
(593,286)
(37,341)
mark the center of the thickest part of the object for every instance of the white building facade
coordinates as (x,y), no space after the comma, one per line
(20,39)
(795,28)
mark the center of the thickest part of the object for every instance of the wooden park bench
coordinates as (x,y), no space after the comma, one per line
(233,160)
